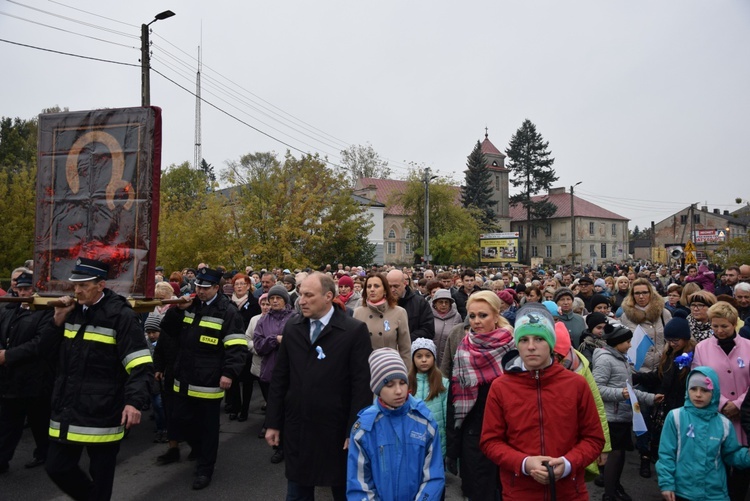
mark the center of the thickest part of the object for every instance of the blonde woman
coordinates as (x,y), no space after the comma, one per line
(478,362)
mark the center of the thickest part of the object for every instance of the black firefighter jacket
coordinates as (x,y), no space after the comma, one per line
(211,344)
(104,364)
(26,374)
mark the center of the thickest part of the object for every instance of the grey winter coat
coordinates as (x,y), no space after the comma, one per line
(611,372)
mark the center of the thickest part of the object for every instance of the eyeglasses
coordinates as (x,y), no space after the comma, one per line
(698,305)
(674,341)
(641,293)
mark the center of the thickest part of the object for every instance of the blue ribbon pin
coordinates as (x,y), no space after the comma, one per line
(321,355)
(740,362)
(691,431)
(387,325)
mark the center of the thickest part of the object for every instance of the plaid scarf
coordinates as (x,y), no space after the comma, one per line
(478,361)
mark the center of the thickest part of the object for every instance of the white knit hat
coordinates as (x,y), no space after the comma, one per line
(422,343)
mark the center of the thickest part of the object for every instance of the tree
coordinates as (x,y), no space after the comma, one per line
(208,170)
(454,231)
(734,252)
(295,213)
(17,191)
(362,161)
(477,190)
(531,169)
(194,224)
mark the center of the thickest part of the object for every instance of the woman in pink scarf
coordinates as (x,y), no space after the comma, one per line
(478,362)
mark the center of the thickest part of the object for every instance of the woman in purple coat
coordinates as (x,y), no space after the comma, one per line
(267,339)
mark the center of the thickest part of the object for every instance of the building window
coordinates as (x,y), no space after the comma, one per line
(697,218)
(604,251)
(683,219)
(391,247)
(592,251)
(614,229)
(614,250)
(534,251)
(408,234)
(549,251)
(392,234)
(534,230)
(591,228)
(548,230)
(497,183)
(407,248)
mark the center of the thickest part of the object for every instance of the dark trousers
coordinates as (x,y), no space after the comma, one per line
(297,492)
(241,391)
(62,467)
(197,420)
(737,483)
(13,412)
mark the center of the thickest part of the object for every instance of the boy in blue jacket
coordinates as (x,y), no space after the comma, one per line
(394,447)
(697,443)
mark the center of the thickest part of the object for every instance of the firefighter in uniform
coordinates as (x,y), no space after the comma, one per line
(211,354)
(102,382)
(25,376)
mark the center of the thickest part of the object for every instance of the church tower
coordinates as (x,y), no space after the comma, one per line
(496,166)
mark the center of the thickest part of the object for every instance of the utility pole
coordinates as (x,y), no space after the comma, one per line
(426,179)
(146,58)
(573,225)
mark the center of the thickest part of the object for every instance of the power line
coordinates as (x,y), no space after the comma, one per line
(93,14)
(66,31)
(238,119)
(70,54)
(73,20)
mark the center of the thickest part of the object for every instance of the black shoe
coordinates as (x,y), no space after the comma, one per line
(171,456)
(201,482)
(262,433)
(621,495)
(608,498)
(278,456)
(233,417)
(34,463)
(193,455)
(242,417)
(599,481)
(645,470)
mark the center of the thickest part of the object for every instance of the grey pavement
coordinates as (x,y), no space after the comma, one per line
(243,470)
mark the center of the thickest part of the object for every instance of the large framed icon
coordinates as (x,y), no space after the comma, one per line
(98,178)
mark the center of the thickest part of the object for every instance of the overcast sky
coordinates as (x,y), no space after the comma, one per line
(646,102)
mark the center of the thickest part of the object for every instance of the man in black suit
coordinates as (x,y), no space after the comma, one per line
(320,383)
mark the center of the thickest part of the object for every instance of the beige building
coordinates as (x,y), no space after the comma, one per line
(600,235)
(707,229)
(397,239)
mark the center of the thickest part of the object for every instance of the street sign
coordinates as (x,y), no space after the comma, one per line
(689,247)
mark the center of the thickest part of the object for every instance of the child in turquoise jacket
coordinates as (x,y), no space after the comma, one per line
(697,442)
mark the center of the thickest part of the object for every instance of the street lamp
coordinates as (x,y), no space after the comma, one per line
(573,225)
(146,58)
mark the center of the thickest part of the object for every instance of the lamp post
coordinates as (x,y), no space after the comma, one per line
(427,178)
(146,58)
(573,225)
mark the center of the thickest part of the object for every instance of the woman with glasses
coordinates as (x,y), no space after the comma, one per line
(700,325)
(644,308)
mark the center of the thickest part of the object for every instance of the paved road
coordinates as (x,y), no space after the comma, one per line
(243,470)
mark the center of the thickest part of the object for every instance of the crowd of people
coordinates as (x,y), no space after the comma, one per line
(377,381)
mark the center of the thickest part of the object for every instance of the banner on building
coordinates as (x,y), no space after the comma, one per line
(98,197)
(498,248)
(709,236)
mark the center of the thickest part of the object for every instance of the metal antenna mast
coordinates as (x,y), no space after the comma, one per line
(198,152)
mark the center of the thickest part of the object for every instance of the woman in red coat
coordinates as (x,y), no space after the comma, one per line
(539,412)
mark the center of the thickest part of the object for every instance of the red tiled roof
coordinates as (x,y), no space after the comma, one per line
(583,208)
(489,149)
(387,188)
